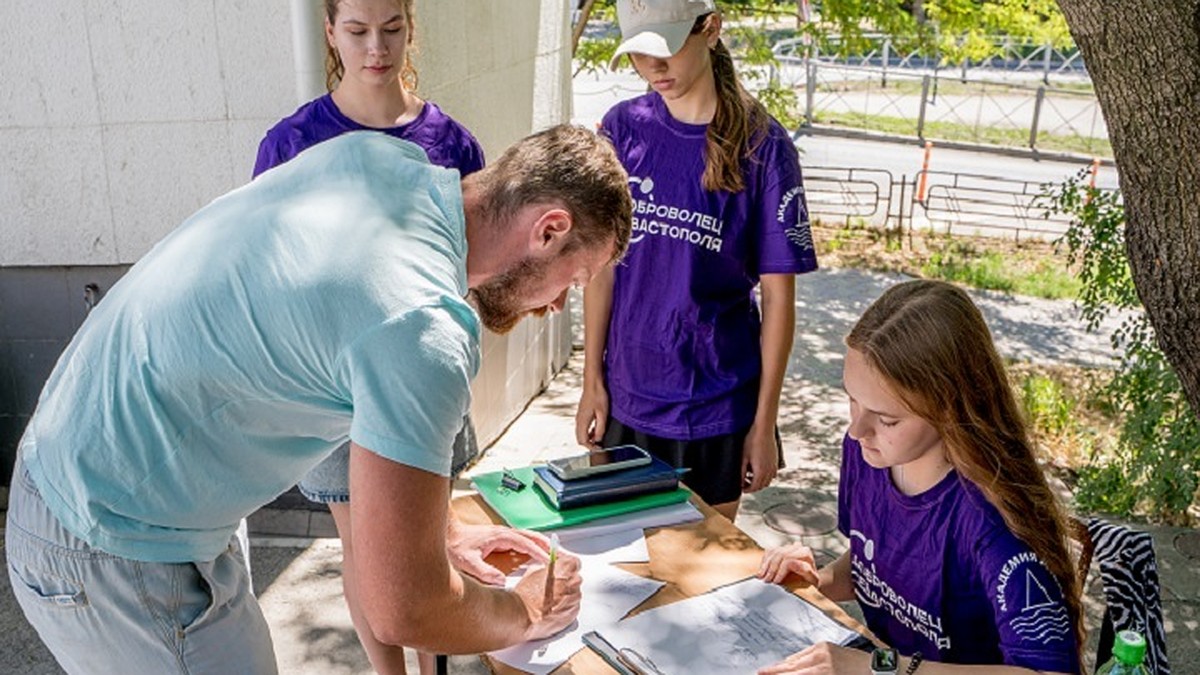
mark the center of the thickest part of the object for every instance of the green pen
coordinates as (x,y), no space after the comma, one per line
(548,598)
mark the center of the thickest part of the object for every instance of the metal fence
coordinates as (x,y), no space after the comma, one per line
(1036,118)
(1013,58)
(934,201)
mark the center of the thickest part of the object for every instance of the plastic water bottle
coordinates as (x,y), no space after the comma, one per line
(1129,650)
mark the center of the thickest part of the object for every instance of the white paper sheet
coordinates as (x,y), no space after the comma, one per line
(662,516)
(608,594)
(733,630)
(628,546)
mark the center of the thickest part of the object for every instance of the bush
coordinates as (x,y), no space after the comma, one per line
(1155,467)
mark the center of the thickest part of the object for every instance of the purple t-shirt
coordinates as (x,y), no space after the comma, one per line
(941,574)
(683,357)
(445,141)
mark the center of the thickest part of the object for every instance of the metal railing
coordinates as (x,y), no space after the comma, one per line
(1039,119)
(937,201)
(1013,58)
(979,204)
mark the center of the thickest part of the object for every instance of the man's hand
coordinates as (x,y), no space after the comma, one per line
(822,659)
(760,457)
(592,416)
(551,612)
(468,546)
(778,563)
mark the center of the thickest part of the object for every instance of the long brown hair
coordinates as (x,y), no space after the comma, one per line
(334,69)
(739,125)
(928,339)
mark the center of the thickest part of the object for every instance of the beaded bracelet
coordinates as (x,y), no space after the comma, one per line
(914,662)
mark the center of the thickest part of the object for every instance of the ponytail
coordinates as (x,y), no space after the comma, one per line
(738,127)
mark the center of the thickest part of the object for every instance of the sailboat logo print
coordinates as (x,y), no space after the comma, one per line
(1041,619)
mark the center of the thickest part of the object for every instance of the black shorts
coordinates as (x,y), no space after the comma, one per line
(714,464)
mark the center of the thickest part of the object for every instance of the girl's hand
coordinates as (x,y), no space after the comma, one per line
(760,457)
(796,559)
(822,659)
(592,415)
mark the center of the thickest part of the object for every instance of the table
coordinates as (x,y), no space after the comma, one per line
(692,559)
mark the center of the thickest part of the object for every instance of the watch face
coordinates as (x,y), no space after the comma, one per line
(884,661)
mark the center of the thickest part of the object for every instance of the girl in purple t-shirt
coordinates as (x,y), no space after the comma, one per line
(372,80)
(958,547)
(677,358)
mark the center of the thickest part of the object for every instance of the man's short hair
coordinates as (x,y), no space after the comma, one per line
(566,165)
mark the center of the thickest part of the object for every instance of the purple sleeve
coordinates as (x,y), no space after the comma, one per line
(271,153)
(608,128)
(785,244)
(472,158)
(1031,618)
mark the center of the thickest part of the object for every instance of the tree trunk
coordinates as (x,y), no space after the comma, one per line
(1144,59)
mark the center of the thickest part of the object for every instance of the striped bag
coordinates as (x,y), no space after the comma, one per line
(1129,574)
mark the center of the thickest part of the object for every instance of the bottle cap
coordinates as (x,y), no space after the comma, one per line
(1129,647)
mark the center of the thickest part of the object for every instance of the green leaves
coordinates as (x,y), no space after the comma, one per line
(1157,466)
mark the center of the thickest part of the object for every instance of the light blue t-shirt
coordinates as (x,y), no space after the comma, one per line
(322,301)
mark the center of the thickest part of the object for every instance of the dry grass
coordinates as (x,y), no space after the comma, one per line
(1022,267)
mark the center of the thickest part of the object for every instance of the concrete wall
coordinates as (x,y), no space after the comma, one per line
(119,118)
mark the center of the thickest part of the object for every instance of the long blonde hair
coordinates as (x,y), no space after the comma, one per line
(928,339)
(739,125)
(335,69)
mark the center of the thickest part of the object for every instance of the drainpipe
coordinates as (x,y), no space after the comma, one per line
(308,48)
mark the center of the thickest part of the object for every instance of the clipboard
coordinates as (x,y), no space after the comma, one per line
(731,630)
(625,661)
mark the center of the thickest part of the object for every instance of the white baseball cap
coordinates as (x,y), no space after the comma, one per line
(657,27)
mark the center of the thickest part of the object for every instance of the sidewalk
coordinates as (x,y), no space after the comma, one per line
(309,633)
(297,572)
(312,629)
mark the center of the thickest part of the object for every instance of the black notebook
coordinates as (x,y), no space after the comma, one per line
(657,476)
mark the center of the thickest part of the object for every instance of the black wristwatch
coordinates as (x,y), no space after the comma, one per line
(884,661)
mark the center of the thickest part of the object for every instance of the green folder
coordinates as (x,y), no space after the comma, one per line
(529,510)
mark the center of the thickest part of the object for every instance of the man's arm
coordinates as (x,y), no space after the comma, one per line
(409,592)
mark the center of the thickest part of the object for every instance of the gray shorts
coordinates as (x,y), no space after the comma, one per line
(329,481)
(101,613)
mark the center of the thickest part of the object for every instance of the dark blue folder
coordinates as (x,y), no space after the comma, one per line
(657,476)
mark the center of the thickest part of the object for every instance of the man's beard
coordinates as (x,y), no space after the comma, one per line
(501,300)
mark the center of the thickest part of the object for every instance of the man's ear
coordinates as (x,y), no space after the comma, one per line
(550,231)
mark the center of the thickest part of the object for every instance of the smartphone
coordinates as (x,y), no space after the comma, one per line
(599,461)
